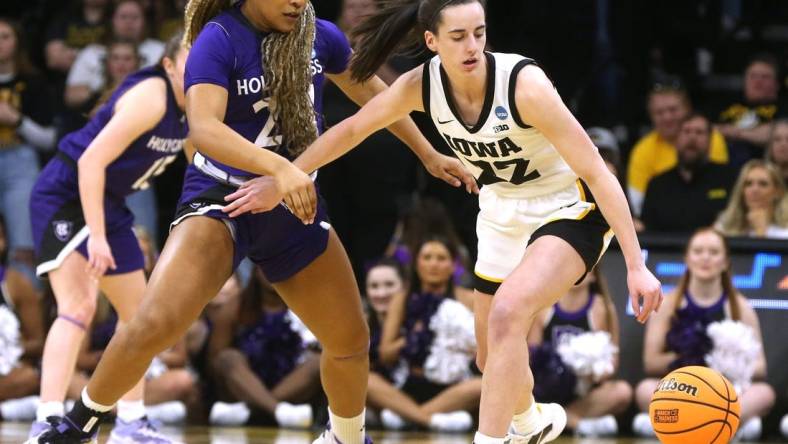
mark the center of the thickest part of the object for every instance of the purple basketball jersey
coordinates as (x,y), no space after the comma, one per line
(148,155)
(227,53)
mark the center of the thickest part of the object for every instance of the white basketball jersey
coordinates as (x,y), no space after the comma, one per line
(500,150)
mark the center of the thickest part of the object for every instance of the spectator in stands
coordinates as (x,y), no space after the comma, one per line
(655,153)
(430,330)
(746,124)
(82,25)
(676,336)
(758,206)
(262,359)
(22,339)
(591,401)
(167,18)
(86,76)
(121,60)
(693,193)
(25,124)
(427,217)
(777,153)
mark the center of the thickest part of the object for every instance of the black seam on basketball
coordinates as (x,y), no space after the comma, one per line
(727,407)
(722,427)
(698,402)
(676,432)
(710,386)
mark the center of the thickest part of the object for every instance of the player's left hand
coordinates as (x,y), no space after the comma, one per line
(643,284)
(254,196)
(451,171)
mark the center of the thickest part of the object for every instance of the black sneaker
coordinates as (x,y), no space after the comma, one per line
(62,431)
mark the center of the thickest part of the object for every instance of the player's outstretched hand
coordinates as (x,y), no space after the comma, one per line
(643,285)
(298,191)
(254,196)
(451,171)
(99,257)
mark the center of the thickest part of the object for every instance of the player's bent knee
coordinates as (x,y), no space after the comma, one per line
(506,319)
(81,310)
(151,330)
(357,353)
(347,343)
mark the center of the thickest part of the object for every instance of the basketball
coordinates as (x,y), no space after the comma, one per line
(694,404)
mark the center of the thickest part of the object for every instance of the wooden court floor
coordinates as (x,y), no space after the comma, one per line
(15,433)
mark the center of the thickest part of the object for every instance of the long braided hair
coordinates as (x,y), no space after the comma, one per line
(288,76)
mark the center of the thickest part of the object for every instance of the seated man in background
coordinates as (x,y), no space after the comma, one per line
(655,153)
(691,194)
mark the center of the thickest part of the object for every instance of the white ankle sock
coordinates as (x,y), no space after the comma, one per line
(481,438)
(49,408)
(89,403)
(129,411)
(525,422)
(348,430)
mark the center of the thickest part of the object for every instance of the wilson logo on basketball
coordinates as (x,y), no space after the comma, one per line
(668,416)
(671,385)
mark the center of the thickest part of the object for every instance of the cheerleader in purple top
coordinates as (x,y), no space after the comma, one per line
(261,359)
(82,229)
(253,86)
(590,400)
(678,337)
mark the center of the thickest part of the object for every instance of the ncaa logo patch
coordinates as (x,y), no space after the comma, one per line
(62,229)
(501,113)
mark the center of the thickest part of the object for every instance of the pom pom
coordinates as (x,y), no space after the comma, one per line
(554,381)
(10,347)
(453,346)
(272,345)
(590,356)
(298,326)
(156,368)
(735,352)
(687,337)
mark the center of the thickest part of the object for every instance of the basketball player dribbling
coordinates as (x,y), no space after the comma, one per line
(546,201)
(253,85)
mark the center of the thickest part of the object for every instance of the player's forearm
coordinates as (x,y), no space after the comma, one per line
(330,146)
(613,204)
(218,141)
(92,178)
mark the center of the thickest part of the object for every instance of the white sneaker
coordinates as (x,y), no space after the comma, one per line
(171,412)
(229,414)
(641,425)
(20,409)
(457,421)
(552,423)
(750,430)
(328,437)
(293,416)
(784,426)
(597,427)
(391,420)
